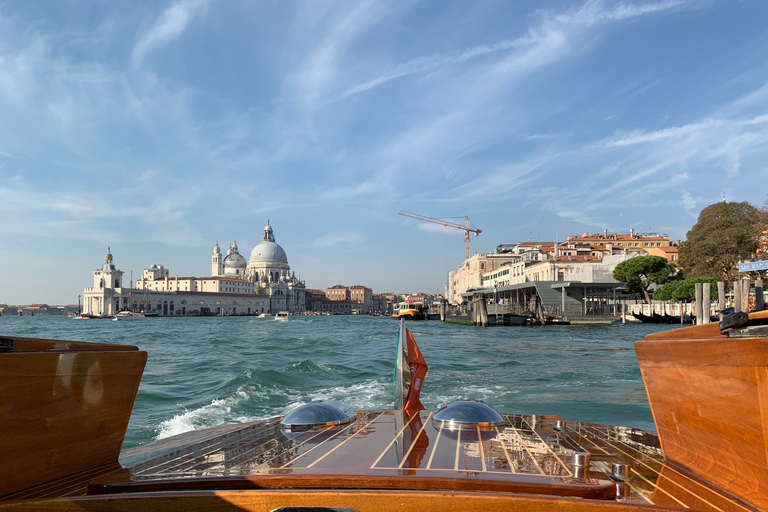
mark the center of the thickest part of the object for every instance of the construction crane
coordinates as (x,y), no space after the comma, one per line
(467,230)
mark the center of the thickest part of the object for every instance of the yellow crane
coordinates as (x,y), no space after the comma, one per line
(467,230)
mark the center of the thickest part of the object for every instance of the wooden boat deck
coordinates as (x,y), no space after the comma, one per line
(391,450)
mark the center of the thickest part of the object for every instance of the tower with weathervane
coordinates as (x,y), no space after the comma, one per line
(108,294)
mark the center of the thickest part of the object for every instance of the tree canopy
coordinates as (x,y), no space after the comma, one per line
(684,290)
(643,271)
(724,234)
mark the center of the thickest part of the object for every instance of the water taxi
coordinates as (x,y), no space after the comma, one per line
(65,407)
(283,315)
(408,310)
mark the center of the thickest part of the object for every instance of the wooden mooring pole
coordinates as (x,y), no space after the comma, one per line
(721,298)
(706,297)
(483,311)
(699,303)
(745,285)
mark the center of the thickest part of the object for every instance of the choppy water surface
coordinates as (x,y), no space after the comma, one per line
(204,372)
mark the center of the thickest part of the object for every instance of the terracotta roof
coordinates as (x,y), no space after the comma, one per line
(666,248)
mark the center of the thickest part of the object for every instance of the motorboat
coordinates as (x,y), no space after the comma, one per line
(129,316)
(408,310)
(283,315)
(61,434)
(95,317)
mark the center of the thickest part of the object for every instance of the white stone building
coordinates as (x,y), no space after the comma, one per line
(264,284)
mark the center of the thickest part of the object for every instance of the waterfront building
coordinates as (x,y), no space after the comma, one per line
(359,298)
(669,252)
(264,284)
(632,241)
(468,275)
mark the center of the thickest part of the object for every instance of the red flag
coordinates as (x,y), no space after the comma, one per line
(418,369)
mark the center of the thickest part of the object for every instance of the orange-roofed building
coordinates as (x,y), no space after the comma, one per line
(669,252)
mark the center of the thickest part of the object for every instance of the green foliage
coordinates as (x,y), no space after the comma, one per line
(643,271)
(684,290)
(724,234)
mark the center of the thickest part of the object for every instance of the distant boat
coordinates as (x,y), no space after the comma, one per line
(283,315)
(129,316)
(95,317)
(408,310)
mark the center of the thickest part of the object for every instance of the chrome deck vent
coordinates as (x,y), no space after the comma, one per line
(467,413)
(318,414)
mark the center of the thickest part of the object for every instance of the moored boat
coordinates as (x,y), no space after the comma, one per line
(707,387)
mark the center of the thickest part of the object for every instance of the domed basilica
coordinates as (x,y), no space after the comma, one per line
(267,268)
(263,284)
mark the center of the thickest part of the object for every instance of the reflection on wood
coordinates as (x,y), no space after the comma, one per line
(709,398)
(65,407)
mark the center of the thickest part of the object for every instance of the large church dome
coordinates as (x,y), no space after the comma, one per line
(268,250)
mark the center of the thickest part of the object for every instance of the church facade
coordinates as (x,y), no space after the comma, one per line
(263,284)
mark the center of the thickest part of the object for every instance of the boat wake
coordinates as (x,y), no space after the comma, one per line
(261,394)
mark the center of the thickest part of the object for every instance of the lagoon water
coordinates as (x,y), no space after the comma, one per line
(209,371)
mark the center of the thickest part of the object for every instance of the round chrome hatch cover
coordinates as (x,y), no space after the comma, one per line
(318,414)
(466,413)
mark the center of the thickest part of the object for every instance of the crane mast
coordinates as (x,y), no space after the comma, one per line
(467,230)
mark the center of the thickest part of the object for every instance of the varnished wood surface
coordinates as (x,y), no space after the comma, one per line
(709,398)
(253,460)
(385,449)
(46,345)
(63,409)
(361,500)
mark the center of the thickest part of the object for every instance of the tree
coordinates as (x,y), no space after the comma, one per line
(641,272)
(724,234)
(685,289)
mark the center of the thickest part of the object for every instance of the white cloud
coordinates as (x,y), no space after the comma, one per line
(171,25)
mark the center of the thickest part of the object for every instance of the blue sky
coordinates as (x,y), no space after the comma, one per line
(160,128)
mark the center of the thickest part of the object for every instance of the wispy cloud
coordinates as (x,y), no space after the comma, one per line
(424,64)
(338,240)
(168,27)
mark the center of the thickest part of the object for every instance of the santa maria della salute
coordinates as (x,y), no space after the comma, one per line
(262,284)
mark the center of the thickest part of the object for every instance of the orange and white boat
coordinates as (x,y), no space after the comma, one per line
(408,310)
(64,407)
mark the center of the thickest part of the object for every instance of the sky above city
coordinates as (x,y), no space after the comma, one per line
(160,128)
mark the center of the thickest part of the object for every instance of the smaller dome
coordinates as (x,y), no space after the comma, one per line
(467,413)
(217,249)
(318,414)
(153,267)
(235,260)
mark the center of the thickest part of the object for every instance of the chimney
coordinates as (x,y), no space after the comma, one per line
(605,232)
(631,231)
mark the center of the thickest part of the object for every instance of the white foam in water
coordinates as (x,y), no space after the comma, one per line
(192,420)
(371,394)
(219,412)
